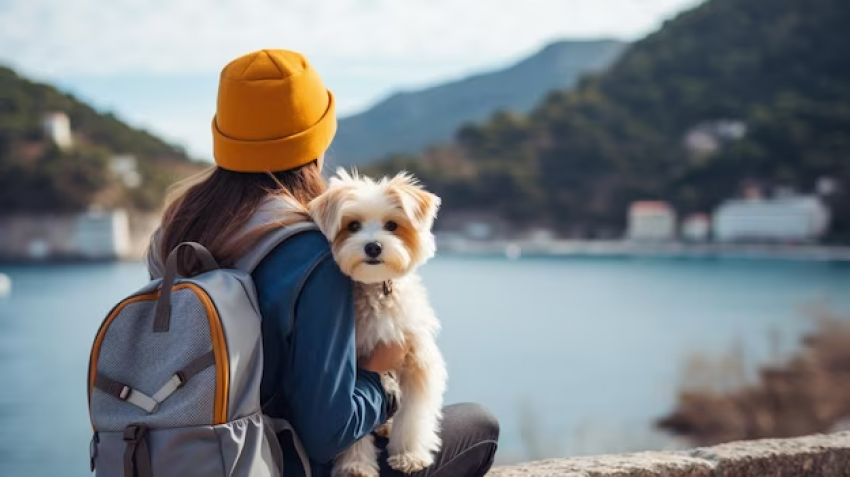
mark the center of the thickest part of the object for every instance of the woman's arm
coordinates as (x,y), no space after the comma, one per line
(333,403)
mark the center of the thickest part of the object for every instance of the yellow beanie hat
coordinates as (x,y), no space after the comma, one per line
(273,114)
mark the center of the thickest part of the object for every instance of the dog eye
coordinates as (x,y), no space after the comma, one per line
(390,226)
(354,226)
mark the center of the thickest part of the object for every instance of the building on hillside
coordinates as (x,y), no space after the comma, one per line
(783,219)
(57,128)
(826,186)
(700,141)
(709,136)
(539,235)
(696,228)
(125,167)
(651,221)
(102,235)
(479,230)
(752,190)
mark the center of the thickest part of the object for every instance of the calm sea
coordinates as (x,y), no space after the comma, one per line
(574,356)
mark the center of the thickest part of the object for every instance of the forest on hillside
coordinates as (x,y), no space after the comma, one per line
(37,176)
(581,156)
(409,121)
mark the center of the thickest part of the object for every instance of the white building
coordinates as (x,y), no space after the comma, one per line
(539,235)
(710,135)
(696,228)
(102,235)
(701,141)
(784,219)
(57,127)
(478,230)
(651,221)
(826,186)
(125,167)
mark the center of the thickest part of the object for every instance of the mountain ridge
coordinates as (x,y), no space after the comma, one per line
(576,162)
(410,121)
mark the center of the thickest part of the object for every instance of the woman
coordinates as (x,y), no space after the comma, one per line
(273,123)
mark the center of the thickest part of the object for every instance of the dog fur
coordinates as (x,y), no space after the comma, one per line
(397,214)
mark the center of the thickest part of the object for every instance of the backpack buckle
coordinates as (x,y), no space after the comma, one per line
(125,392)
(181,378)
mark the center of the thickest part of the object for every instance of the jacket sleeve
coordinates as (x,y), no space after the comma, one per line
(333,403)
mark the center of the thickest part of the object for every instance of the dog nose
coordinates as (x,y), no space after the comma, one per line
(373,249)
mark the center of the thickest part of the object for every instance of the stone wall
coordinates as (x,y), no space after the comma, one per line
(27,237)
(58,237)
(822,455)
(142,226)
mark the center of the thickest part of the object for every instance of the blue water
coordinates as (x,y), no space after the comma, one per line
(586,351)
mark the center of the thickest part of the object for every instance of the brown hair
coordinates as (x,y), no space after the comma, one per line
(213,207)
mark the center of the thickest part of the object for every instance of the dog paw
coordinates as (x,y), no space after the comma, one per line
(410,462)
(384,429)
(355,469)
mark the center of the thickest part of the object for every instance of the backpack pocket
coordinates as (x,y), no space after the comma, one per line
(240,448)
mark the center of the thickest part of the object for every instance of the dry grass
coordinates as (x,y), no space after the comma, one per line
(808,393)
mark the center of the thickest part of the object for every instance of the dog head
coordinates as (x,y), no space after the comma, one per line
(379,230)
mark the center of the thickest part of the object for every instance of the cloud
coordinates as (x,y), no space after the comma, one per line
(57,37)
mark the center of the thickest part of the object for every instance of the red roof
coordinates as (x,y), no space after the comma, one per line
(650,206)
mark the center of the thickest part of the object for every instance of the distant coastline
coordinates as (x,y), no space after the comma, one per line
(515,249)
(61,260)
(632,249)
(93,236)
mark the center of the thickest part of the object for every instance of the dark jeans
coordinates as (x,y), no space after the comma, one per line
(470,436)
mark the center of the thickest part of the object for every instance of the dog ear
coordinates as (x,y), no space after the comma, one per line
(418,204)
(326,209)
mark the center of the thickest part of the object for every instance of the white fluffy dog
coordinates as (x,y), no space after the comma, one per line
(380,232)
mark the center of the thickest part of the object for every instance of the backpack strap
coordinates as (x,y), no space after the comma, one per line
(137,455)
(282,425)
(151,404)
(265,245)
(163,305)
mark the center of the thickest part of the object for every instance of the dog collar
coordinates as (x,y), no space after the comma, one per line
(388,287)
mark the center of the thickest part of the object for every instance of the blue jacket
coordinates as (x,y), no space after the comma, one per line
(310,374)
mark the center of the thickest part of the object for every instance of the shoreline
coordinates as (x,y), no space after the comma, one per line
(63,260)
(513,249)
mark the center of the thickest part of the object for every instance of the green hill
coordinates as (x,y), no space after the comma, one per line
(37,176)
(409,122)
(576,161)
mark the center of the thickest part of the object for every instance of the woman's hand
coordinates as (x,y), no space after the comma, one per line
(386,357)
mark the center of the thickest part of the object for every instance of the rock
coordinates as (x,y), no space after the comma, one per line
(819,455)
(822,455)
(643,464)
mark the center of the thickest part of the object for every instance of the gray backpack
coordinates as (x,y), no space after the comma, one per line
(174,376)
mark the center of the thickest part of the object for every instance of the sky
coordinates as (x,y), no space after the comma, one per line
(155,63)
